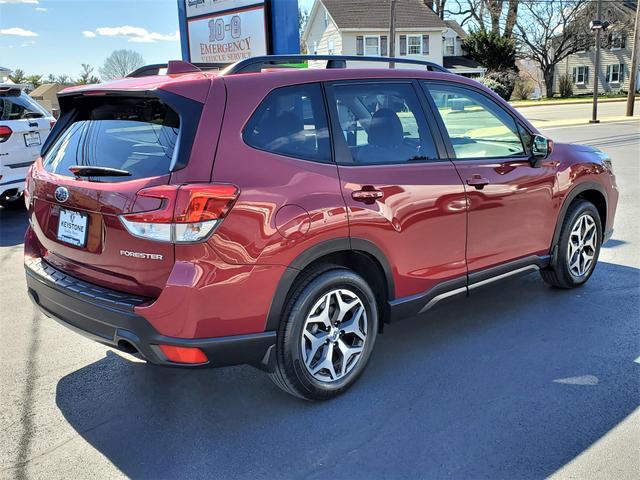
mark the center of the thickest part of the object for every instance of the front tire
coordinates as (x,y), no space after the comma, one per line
(578,247)
(327,334)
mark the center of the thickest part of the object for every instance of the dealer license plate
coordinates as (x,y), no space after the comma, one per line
(72,227)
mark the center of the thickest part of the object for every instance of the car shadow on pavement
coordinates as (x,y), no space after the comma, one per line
(13,224)
(513,382)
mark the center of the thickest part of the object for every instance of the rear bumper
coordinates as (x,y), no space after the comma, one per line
(108,317)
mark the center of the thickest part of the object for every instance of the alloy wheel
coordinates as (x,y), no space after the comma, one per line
(334,335)
(582,245)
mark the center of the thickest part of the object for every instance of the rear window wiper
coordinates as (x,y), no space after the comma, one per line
(89,171)
(33,115)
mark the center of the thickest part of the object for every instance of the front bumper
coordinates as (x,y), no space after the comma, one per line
(108,317)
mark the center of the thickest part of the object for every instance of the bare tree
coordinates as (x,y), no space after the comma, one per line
(498,16)
(439,8)
(18,76)
(549,32)
(86,75)
(120,63)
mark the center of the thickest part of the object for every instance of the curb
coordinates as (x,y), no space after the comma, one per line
(575,102)
(581,121)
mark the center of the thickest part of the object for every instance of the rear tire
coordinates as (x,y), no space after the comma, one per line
(326,335)
(13,202)
(578,247)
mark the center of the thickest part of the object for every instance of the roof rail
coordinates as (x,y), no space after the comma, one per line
(174,67)
(256,64)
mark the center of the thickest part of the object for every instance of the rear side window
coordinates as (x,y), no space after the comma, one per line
(18,107)
(383,123)
(291,121)
(136,135)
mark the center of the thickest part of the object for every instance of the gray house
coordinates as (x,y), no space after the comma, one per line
(615,52)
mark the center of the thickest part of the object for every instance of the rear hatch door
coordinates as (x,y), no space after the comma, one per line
(77,218)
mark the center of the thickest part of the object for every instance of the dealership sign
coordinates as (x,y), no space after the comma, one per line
(226,31)
(228,38)
(204,7)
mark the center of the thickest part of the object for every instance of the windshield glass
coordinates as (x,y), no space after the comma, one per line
(136,135)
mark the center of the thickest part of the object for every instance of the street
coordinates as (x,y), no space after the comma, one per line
(518,381)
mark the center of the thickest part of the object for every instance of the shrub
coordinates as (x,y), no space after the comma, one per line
(565,86)
(496,86)
(491,50)
(523,89)
(506,80)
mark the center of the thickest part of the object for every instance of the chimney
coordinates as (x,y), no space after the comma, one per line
(429,3)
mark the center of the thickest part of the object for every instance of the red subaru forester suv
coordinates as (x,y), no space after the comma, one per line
(278,217)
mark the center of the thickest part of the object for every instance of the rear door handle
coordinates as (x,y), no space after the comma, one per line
(477,181)
(368,194)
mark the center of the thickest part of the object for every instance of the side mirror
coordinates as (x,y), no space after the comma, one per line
(541,148)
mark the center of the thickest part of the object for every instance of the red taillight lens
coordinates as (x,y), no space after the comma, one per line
(203,203)
(52,124)
(184,354)
(5,133)
(189,212)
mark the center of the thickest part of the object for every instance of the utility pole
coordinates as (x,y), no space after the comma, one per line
(392,33)
(598,28)
(634,66)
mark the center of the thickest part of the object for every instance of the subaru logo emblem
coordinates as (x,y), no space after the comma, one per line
(61,194)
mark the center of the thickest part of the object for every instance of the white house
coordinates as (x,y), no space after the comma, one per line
(5,73)
(361,27)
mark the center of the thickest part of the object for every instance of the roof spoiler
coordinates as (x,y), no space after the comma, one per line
(256,64)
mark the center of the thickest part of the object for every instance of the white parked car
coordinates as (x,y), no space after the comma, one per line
(24,126)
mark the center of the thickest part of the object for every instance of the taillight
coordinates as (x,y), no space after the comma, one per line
(5,133)
(52,124)
(189,214)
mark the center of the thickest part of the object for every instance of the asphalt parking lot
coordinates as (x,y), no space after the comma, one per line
(518,381)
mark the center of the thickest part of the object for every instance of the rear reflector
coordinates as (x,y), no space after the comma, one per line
(189,213)
(5,133)
(183,354)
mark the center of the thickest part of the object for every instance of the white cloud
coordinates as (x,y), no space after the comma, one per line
(88,34)
(28,44)
(20,32)
(32,2)
(133,34)
(41,9)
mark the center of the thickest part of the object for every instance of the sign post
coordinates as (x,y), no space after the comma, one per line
(226,31)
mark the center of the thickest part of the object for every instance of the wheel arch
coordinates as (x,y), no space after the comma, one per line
(360,255)
(592,192)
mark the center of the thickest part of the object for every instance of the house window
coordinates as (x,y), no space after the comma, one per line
(372,46)
(414,45)
(449,46)
(614,73)
(326,18)
(331,46)
(315,48)
(580,75)
(618,41)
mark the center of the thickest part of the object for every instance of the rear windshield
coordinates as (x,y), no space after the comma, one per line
(18,107)
(136,135)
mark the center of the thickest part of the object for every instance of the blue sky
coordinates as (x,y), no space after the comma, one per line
(56,36)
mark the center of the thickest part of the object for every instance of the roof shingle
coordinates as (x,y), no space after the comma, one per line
(375,14)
